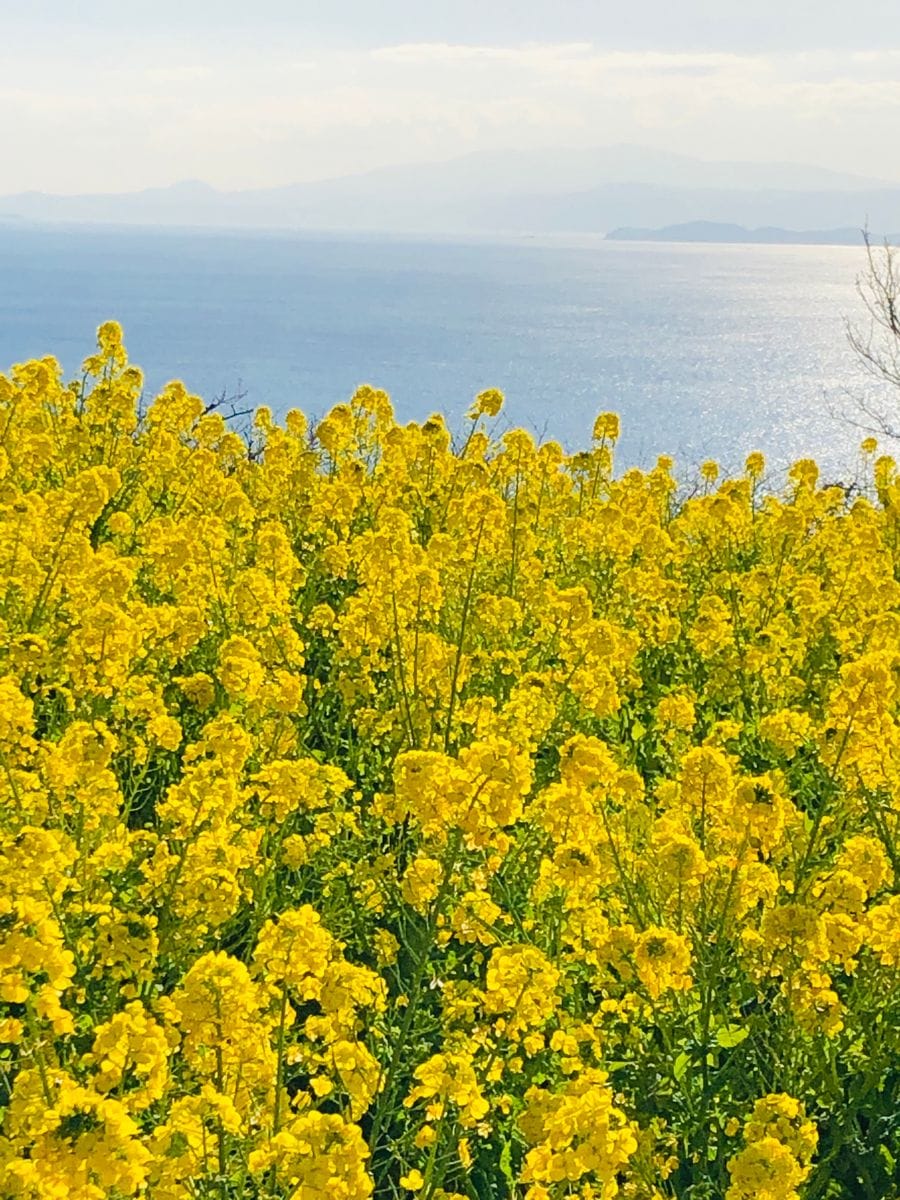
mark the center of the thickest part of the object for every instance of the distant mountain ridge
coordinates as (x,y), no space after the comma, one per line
(511,192)
(721,232)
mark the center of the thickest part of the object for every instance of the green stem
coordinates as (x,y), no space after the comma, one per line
(415,992)
(467,600)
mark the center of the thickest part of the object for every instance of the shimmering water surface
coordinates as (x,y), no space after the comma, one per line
(704,350)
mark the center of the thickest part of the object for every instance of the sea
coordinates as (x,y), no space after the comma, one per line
(705,351)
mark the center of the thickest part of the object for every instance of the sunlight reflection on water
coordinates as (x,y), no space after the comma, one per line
(703,350)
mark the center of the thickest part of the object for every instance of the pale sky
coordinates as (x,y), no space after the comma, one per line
(114,96)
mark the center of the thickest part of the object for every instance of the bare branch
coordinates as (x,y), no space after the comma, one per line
(232,399)
(876,339)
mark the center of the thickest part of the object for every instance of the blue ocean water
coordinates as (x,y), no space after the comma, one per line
(703,350)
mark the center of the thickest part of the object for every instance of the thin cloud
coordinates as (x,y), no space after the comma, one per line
(269,116)
(196,73)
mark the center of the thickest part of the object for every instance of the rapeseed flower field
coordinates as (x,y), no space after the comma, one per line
(388,817)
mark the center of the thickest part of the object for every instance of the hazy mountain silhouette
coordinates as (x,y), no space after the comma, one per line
(547,191)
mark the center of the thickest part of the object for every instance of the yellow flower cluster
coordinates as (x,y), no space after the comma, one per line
(779,1146)
(386,814)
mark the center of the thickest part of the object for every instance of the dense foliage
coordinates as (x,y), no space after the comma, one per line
(383,816)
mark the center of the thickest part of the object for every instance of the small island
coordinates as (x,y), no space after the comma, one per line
(723,232)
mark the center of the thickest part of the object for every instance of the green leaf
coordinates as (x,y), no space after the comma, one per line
(506,1164)
(680,1066)
(731,1035)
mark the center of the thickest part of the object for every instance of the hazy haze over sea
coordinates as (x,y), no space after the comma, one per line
(703,350)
